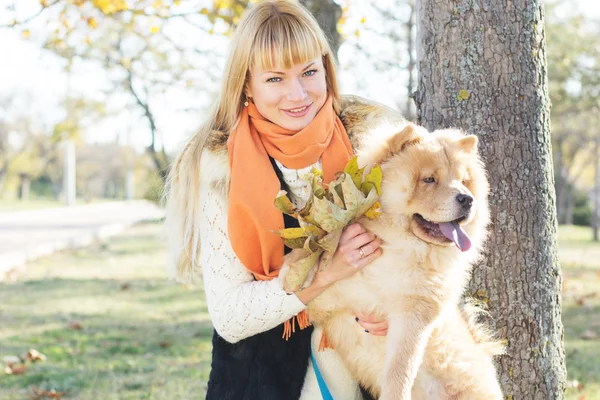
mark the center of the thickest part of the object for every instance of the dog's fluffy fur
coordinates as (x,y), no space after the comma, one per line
(432,349)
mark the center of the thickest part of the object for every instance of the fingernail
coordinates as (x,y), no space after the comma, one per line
(366,331)
(356,319)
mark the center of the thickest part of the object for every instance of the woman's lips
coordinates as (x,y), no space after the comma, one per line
(298,112)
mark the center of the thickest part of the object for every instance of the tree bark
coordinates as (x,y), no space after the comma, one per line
(327,13)
(482,68)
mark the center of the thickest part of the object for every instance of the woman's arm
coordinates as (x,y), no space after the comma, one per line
(239,306)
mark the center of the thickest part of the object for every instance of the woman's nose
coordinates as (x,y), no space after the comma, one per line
(296,91)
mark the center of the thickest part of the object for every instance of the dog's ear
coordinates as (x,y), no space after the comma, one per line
(406,137)
(468,144)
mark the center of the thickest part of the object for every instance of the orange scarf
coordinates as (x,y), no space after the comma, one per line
(252,214)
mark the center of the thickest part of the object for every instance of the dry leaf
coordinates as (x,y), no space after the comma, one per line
(125,286)
(34,355)
(76,326)
(13,369)
(45,394)
(328,211)
(165,345)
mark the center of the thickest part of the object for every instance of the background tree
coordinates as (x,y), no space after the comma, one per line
(482,68)
(573,72)
(145,47)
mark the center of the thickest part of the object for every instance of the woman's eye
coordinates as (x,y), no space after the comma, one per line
(310,73)
(431,179)
(274,79)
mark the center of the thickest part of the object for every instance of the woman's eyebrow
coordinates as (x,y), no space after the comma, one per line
(283,73)
(273,72)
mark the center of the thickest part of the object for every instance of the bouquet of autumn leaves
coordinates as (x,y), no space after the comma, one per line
(330,208)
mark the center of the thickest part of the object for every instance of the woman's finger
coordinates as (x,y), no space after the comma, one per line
(373,327)
(352,231)
(369,257)
(361,240)
(382,332)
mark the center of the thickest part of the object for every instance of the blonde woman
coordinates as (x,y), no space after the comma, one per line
(279,114)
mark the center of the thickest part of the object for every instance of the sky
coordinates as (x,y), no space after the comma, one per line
(26,69)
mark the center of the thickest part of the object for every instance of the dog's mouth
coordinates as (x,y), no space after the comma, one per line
(442,232)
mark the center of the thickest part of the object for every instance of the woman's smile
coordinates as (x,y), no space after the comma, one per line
(298,112)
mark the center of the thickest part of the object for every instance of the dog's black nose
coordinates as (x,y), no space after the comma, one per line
(465,200)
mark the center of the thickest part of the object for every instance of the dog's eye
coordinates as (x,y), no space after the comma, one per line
(431,179)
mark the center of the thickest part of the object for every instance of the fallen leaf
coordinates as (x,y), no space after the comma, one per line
(34,355)
(575,384)
(125,286)
(47,394)
(76,326)
(165,345)
(12,369)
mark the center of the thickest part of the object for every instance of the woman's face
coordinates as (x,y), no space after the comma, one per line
(290,97)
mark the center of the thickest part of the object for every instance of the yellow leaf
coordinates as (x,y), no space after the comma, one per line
(157,4)
(330,241)
(126,62)
(374,212)
(211,32)
(355,173)
(26,33)
(155,29)
(363,20)
(300,265)
(177,2)
(292,233)
(44,3)
(374,177)
(91,21)
(463,95)
(204,11)
(356,33)
(283,203)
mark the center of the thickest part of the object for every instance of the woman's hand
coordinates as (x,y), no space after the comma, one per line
(373,325)
(356,249)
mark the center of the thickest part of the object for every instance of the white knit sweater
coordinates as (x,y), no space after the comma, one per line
(240,306)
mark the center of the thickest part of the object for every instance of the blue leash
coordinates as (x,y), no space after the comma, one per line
(325,393)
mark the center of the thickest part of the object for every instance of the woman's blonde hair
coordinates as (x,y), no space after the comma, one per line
(271,34)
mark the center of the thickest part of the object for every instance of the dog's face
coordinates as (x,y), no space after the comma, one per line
(438,182)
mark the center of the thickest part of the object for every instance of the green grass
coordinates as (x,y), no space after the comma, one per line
(144,337)
(580,261)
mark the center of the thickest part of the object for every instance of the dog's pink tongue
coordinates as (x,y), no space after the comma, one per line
(454,232)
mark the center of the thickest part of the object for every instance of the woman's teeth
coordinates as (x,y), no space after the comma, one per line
(295,110)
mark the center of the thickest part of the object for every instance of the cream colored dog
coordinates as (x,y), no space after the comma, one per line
(434,203)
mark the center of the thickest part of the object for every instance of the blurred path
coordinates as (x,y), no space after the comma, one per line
(26,235)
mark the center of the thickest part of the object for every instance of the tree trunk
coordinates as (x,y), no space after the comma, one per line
(327,14)
(596,188)
(482,68)
(410,24)
(24,187)
(569,206)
